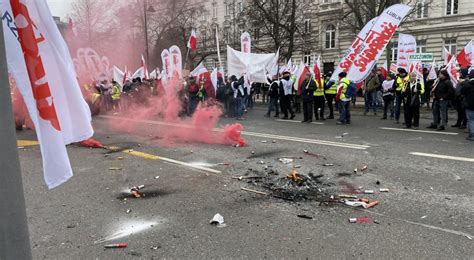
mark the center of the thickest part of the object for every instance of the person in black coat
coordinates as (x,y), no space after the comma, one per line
(273,96)
(467,91)
(307,90)
(412,93)
(443,93)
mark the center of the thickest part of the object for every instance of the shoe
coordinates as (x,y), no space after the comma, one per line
(340,123)
(415,127)
(462,127)
(309,121)
(330,117)
(285,118)
(317,118)
(407,127)
(304,121)
(323,119)
(441,128)
(455,125)
(384,118)
(470,138)
(375,113)
(432,126)
(292,116)
(277,115)
(397,122)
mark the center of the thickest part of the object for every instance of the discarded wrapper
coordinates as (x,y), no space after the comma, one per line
(286,160)
(218,220)
(372,204)
(115,169)
(328,164)
(355,203)
(345,196)
(369,191)
(364,168)
(384,190)
(359,220)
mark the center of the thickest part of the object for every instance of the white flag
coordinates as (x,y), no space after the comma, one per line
(146,75)
(119,76)
(406,47)
(166,63)
(140,73)
(39,60)
(376,42)
(348,58)
(246,43)
(452,71)
(432,72)
(239,63)
(176,61)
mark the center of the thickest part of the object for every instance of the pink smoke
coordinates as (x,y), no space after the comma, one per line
(172,129)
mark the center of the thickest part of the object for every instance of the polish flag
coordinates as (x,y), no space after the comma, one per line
(215,75)
(446,55)
(466,56)
(452,71)
(192,43)
(301,73)
(432,72)
(146,75)
(72,27)
(200,72)
(39,60)
(317,72)
(384,70)
(393,68)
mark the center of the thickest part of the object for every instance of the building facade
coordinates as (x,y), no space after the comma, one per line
(436,24)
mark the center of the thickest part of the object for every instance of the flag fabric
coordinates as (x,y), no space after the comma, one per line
(274,71)
(317,72)
(348,58)
(432,71)
(200,72)
(452,71)
(301,73)
(406,47)
(118,75)
(393,68)
(447,56)
(417,68)
(146,75)
(166,62)
(176,62)
(39,60)
(218,48)
(245,42)
(376,42)
(466,57)
(239,63)
(139,73)
(192,42)
(72,27)
(384,69)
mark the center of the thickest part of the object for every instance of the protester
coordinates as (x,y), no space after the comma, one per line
(343,100)
(467,91)
(307,89)
(220,90)
(387,90)
(443,92)
(229,97)
(287,87)
(193,90)
(401,83)
(461,121)
(239,94)
(330,93)
(319,101)
(116,95)
(273,96)
(381,77)
(412,93)
(370,87)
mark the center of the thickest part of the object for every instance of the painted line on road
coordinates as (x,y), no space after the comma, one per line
(25,143)
(161,158)
(447,157)
(418,131)
(295,121)
(255,134)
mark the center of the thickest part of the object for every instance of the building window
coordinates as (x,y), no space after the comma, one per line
(307,25)
(451,7)
(450,45)
(421,46)
(422,9)
(330,36)
(307,58)
(394,54)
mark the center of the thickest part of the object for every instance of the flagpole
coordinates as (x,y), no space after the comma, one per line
(186,60)
(14,238)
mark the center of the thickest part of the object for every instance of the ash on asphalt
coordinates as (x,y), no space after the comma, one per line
(294,186)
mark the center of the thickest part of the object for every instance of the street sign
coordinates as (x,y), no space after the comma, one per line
(421,57)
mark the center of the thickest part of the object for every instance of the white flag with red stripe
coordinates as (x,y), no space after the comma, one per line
(317,71)
(200,72)
(447,56)
(245,42)
(146,75)
(301,73)
(452,71)
(384,69)
(39,60)
(432,72)
(466,57)
(192,42)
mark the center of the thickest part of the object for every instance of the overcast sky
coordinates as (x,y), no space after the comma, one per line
(60,7)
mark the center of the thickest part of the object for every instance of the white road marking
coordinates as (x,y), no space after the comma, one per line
(255,134)
(418,131)
(447,157)
(296,121)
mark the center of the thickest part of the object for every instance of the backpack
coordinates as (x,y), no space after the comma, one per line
(351,90)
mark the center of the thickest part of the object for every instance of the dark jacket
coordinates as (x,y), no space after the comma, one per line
(444,90)
(307,93)
(413,97)
(467,90)
(273,91)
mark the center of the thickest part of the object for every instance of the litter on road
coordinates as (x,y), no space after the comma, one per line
(218,220)
(121,245)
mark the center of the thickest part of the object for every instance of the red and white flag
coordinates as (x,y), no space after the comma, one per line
(317,72)
(39,60)
(453,72)
(215,75)
(146,75)
(406,47)
(384,69)
(446,55)
(200,72)
(346,62)
(393,68)
(376,42)
(246,42)
(192,42)
(301,73)
(118,75)
(432,71)
(72,27)
(466,57)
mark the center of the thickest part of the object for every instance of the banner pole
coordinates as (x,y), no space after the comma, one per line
(186,59)
(14,235)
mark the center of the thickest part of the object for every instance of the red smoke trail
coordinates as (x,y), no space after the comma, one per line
(166,108)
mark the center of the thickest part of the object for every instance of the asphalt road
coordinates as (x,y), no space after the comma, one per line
(428,213)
